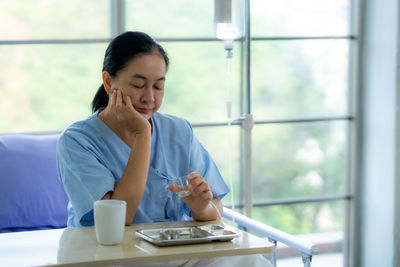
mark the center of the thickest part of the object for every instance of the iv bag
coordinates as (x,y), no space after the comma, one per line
(229,19)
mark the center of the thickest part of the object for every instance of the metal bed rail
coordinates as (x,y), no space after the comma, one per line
(274,235)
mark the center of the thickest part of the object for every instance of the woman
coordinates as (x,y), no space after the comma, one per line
(127,150)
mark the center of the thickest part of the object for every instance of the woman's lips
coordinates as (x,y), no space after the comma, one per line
(144,110)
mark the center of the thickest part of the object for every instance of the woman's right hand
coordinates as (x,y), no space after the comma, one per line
(135,130)
(121,114)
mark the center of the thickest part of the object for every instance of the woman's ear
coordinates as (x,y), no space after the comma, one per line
(107,81)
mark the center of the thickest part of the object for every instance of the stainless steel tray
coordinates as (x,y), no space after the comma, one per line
(187,234)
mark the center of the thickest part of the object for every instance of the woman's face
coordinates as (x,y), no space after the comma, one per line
(143,80)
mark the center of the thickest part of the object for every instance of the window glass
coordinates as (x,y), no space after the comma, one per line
(171,19)
(196,81)
(299,78)
(300,18)
(47,87)
(299,160)
(303,218)
(47,19)
(223,143)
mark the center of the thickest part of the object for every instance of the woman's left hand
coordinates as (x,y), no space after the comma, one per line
(201,195)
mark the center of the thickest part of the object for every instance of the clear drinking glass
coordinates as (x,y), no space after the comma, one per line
(180,186)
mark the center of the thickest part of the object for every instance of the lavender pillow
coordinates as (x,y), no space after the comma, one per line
(31,195)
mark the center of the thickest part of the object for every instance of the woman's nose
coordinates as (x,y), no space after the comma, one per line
(148,94)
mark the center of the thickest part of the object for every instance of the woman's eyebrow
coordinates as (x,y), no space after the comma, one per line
(144,78)
(139,76)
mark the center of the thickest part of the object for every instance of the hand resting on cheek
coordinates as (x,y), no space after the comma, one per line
(122,114)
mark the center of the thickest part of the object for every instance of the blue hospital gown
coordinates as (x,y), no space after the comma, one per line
(91,159)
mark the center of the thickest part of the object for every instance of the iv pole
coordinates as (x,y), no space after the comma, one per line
(248,122)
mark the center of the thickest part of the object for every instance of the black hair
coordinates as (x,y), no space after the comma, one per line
(119,52)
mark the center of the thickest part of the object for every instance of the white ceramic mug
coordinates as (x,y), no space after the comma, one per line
(109,221)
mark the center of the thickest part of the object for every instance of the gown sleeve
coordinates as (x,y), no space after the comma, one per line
(84,177)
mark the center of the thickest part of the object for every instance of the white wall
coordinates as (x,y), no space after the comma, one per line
(379,85)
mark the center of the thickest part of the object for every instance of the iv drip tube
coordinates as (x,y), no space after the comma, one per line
(228,48)
(229,26)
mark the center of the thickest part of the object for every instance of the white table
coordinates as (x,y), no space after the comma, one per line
(78,246)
